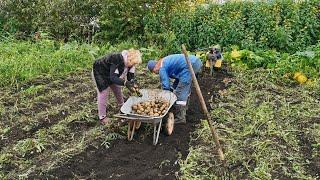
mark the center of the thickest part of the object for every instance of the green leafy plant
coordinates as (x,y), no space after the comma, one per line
(110,137)
(29,146)
(286,64)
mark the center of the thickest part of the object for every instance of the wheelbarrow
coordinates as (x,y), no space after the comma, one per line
(134,120)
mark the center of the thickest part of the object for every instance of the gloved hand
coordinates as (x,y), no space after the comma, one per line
(133,88)
(129,85)
(171,89)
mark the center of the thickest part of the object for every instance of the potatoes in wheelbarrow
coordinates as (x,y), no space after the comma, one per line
(156,107)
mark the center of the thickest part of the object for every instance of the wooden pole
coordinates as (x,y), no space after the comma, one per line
(203,105)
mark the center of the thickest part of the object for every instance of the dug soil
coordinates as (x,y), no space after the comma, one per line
(72,86)
(139,159)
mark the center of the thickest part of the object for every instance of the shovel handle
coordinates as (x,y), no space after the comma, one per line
(203,105)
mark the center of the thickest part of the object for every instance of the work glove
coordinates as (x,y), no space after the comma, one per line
(129,85)
(133,88)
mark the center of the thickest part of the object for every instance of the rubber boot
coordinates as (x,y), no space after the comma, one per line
(180,114)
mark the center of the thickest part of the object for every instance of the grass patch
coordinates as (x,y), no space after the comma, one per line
(22,61)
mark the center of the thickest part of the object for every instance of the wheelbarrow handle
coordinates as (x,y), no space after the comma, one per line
(131,118)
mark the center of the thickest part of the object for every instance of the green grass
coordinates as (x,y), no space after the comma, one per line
(22,61)
(265,127)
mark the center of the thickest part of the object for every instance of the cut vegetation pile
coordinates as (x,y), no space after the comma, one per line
(268,130)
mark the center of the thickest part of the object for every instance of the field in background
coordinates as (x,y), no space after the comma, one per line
(267,121)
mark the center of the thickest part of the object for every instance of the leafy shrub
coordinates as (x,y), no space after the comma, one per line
(306,61)
(281,25)
(286,26)
(62,19)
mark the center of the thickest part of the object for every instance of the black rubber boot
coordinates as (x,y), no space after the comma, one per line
(180,114)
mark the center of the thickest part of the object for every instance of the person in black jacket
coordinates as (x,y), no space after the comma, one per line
(111,72)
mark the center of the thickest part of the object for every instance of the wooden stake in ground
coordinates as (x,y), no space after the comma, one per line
(203,105)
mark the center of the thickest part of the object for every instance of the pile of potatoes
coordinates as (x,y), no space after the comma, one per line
(157,107)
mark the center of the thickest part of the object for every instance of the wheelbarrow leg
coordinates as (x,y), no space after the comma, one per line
(138,124)
(156,133)
(131,128)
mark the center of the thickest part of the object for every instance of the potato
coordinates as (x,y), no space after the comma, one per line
(134,107)
(154,107)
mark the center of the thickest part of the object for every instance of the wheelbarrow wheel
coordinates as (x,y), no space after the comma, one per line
(169,126)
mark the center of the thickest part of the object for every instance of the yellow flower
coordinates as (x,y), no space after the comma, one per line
(235,54)
(300,77)
(296,74)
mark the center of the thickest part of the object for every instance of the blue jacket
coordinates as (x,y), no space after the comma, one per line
(175,67)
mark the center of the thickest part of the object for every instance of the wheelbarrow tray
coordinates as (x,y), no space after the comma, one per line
(148,94)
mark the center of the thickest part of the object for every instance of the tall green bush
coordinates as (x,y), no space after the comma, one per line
(61,19)
(281,25)
(72,19)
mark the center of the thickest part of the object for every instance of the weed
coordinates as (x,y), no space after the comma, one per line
(109,138)
(29,146)
(5,159)
(164,163)
(32,90)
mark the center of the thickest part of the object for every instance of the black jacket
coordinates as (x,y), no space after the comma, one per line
(104,71)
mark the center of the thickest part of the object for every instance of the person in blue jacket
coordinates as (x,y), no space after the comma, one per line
(175,67)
